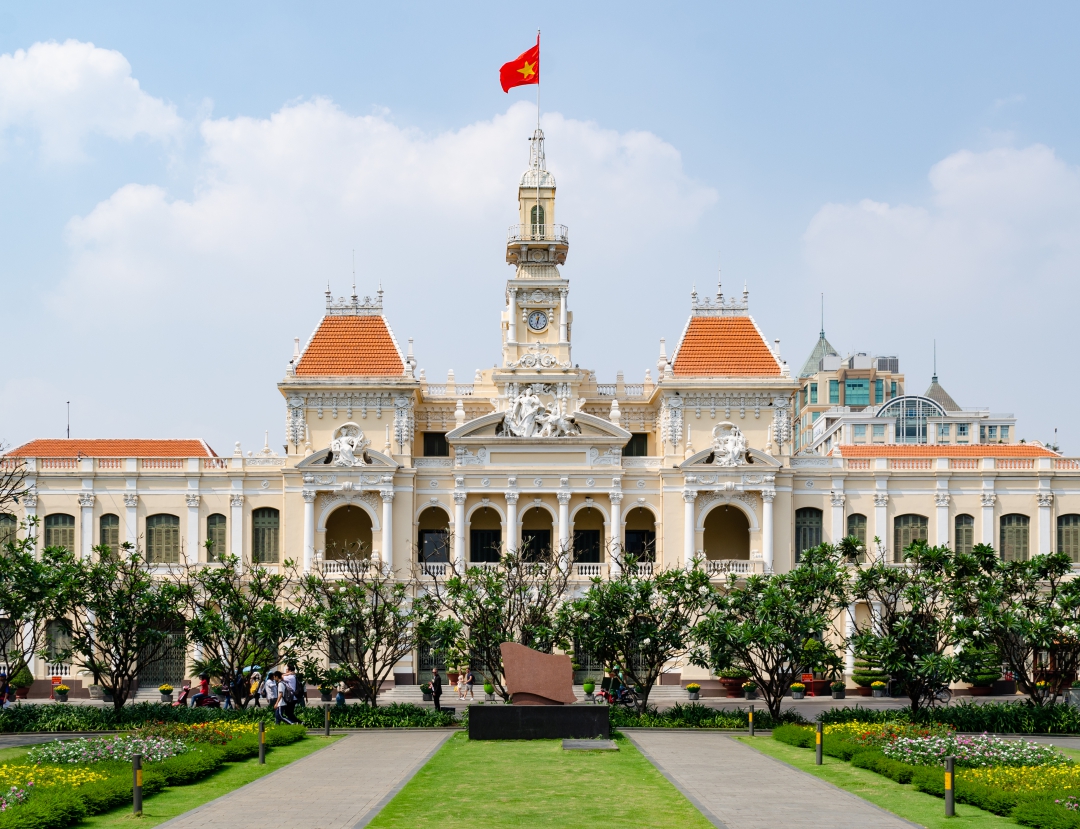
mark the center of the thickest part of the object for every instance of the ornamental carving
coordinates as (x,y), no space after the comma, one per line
(837,498)
(464,457)
(29,498)
(86,500)
(348,445)
(1045,499)
(609,457)
(236,500)
(989,500)
(729,445)
(538,357)
(941,499)
(529,417)
(671,420)
(132,500)
(296,424)
(881,500)
(193,500)
(404,421)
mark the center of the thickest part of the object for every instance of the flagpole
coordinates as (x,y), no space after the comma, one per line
(538,131)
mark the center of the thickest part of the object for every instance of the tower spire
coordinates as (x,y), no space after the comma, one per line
(822,315)
(934,379)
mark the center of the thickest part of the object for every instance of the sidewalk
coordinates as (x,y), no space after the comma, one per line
(339,787)
(737,788)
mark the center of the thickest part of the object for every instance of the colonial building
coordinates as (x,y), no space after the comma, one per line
(723,455)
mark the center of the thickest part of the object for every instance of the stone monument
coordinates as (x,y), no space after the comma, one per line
(535,678)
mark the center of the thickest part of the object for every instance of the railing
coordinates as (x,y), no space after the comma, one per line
(643,568)
(723,566)
(434,568)
(635,389)
(538,233)
(59,668)
(858,463)
(483,565)
(605,389)
(58,463)
(110,463)
(1066,463)
(589,569)
(911,463)
(215,463)
(11,463)
(162,463)
(447,390)
(963,463)
(1015,463)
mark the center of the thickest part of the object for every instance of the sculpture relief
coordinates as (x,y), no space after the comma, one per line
(348,445)
(528,417)
(729,446)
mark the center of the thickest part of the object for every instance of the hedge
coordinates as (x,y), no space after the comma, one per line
(1020,717)
(56,808)
(695,715)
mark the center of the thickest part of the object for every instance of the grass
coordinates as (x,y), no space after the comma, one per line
(918,807)
(176,800)
(534,783)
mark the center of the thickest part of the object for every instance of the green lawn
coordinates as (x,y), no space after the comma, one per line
(918,807)
(534,783)
(179,799)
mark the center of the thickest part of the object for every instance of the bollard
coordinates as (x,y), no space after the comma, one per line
(326,721)
(751,720)
(262,743)
(136,788)
(817,740)
(950,794)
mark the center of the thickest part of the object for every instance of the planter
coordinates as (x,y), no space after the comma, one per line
(839,694)
(325,695)
(879,692)
(798,694)
(96,692)
(491,697)
(750,694)
(981,690)
(864,690)
(453,677)
(732,687)
(588,697)
(427,697)
(61,697)
(166,697)
(694,694)
(20,693)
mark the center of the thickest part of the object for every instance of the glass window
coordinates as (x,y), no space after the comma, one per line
(856,392)
(638,447)
(911,414)
(856,526)
(536,217)
(60,530)
(109,531)
(860,433)
(814,416)
(813,393)
(641,544)
(265,535)
(982,432)
(879,433)
(965,533)
(834,391)
(1005,433)
(435,445)
(908,529)
(485,544)
(1069,536)
(963,431)
(535,543)
(807,530)
(434,545)
(879,391)
(1014,537)
(991,432)
(587,546)
(163,539)
(9,526)
(892,389)
(944,431)
(215,532)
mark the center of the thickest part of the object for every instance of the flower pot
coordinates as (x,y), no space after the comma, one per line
(732,687)
(879,692)
(427,697)
(864,690)
(325,695)
(166,697)
(491,697)
(798,694)
(96,692)
(61,697)
(839,694)
(590,698)
(750,694)
(981,690)
(20,693)
(694,694)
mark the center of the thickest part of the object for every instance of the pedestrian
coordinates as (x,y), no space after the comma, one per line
(339,699)
(285,700)
(467,679)
(256,687)
(436,687)
(291,681)
(270,694)
(5,692)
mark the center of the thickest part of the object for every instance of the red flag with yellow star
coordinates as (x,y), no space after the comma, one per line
(522,70)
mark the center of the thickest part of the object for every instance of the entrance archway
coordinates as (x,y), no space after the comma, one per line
(348,530)
(727,534)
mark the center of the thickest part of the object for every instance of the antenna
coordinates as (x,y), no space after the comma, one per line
(822,315)
(69,419)
(935,361)
(354,271)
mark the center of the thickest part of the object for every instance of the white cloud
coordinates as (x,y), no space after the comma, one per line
(67,91)
(987,265)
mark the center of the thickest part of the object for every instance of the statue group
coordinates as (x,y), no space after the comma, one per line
(528,417)
(348,445)
(729,448)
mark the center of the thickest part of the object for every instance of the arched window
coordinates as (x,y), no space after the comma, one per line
(1014,537)
(807,530)
(215,532)
(588,535)
(434,535)
(907,529)
(109,531)
(641,534)
(162,539)
(9,526)
(911,413)
(265,535)
(964,527)
(348,534)
(856,528)
(485,535)
(60,530)
(536,533)
(537,220)
(1069,536)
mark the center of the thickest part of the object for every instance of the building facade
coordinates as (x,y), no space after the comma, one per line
(724,455)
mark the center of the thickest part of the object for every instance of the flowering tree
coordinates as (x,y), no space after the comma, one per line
(775,626)
(638,623)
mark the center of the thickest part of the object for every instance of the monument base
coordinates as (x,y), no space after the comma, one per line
(538,722)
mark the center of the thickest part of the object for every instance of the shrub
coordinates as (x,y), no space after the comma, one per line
(733,673)
(878,685)
(796,735)
(21,677)
(101,749)
(798,686)
(839,685)
(866,672)
(1021,717)
(490,689)
(696,715)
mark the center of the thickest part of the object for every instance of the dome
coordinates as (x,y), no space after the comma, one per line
(528,178)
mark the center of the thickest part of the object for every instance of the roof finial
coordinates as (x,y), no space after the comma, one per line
(354,274)
(719,285)
(822,315)
(934,380)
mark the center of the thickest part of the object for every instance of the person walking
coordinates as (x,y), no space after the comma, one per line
(285,699)
(292,683)
(256,687)
(5,691)
(467,683)
(436,687)
(270,694)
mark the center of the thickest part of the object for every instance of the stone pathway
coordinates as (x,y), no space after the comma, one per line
(738,788)
(339,787)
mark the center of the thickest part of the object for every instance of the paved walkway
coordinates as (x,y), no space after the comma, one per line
(739,788)
(339,787)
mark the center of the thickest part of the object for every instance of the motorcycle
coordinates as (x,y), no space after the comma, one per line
(202,702)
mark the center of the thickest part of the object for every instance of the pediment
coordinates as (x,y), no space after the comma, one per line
(754,458)
(593,430)
(372,460)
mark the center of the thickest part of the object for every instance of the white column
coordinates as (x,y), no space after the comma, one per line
(849,630)
(988,500)
(236,519)
(309,529)
(511,542)
(564,527)
(131,516)
(29,501)
(192,542)
(941,500)
(86,530)
(387,552)
(459,531)
(837,516)
(562,315)
(1045,501)
(881,520)
(689,497)
(767,497)
(511,331)
(616,544)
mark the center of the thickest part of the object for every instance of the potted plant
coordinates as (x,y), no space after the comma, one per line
(96,691)
(839,689)
(425,689)
(731,680)
(166,692)
(489,692)
(588,686)
(866,672)
(878,688)
(749,690)
(798,690)
(693,689)
(980,668)
(21,680)
(61,692)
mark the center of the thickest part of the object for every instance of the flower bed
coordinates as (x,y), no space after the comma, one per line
(971,752)
(20,774)
(1021,717)
(103,749)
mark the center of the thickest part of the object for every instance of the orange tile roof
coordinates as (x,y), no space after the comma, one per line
(977,450)
(713,346)
(351,345)
(62,448)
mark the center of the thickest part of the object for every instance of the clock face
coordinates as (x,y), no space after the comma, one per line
(537,320)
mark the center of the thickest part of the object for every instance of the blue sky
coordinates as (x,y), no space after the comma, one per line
(175,197)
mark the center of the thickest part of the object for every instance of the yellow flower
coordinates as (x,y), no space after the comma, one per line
(18,774)
(1026,778)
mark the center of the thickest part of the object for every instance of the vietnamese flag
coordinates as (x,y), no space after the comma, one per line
(522,70)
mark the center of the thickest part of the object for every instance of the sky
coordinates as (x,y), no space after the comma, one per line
(178,186)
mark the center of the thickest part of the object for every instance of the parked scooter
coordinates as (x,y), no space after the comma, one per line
(203,702)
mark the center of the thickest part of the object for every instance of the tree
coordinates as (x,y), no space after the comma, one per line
(1023,612)
(640,621)
(774,626)
(913,627)
(125,620)
(243,617)
(513,600)
(12,481)
(366,620)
